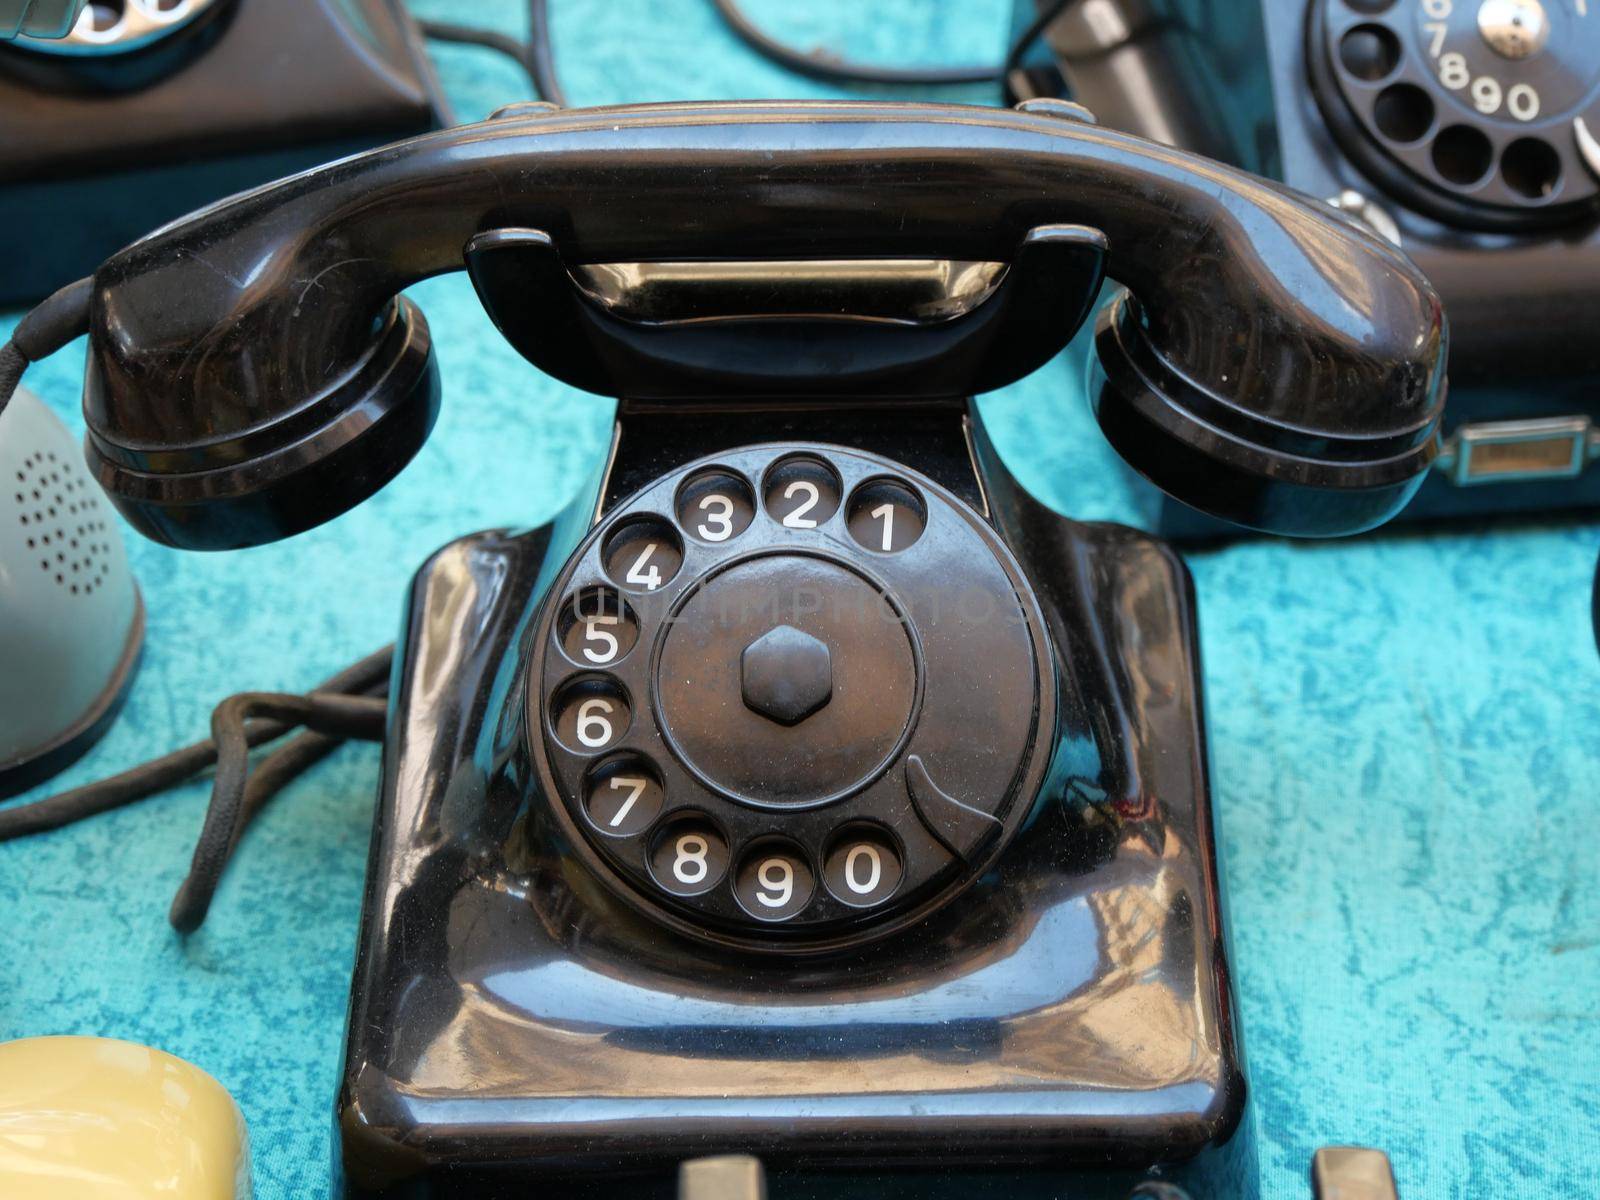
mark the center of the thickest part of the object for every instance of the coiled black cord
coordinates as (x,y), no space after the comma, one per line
(830,68)
(534,56)
(52,323)
(537,57)
(348,705)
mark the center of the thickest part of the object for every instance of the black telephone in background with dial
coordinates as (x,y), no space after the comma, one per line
(1465,131)
(807,788)
(138,111)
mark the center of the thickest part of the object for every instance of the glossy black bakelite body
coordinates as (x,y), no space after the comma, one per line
(1290,351)
(1066,1024)
(581,958)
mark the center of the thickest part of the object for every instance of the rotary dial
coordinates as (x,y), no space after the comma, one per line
(791,696)
(1481,112)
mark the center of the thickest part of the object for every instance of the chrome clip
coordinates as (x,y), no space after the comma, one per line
(1518,451)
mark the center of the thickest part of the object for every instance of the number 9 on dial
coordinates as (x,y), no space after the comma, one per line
(774,881)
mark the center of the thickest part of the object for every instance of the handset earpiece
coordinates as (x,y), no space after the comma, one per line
(252,372)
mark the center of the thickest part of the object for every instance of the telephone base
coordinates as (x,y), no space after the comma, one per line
(1065,1026)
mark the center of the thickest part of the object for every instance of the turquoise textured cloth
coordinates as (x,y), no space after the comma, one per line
(1405,737)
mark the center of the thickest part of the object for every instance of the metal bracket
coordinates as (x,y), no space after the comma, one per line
(1337,1173)
(1352,1173)
(1518,451)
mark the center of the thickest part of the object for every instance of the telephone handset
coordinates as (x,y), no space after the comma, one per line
(1268,364)
(808,787)
(1465,131)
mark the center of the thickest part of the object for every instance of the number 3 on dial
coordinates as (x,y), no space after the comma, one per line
(718,525)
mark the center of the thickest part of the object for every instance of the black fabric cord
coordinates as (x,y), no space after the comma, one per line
(830,68)
(147,779)
(55,321)
(1028,36)
(13,363)
(542,55)
(327,713)
(471,35)
(534,56)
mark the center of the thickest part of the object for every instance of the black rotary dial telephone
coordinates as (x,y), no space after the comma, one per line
(807,788)
(1467,132)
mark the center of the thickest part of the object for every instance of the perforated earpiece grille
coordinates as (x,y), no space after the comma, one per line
(64,521)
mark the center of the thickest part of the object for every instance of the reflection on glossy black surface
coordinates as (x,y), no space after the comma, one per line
(237,352)
(1067,1019)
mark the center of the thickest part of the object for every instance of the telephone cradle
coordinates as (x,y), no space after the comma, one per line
(807,788)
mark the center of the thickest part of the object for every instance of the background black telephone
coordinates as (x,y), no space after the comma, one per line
(808,787)
(1465,131)
(147,109)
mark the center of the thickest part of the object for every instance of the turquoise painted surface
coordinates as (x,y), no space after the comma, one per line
(1405,740)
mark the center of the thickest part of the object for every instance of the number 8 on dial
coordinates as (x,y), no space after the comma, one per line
(689,857)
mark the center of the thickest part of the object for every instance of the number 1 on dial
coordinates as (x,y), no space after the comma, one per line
(885,513)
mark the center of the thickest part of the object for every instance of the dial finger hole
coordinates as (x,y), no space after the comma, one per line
(1369,8)
(643,555)
(591,714)
(1531,167)
(774,882)
(689,857)
(1462,155)
(597,627)
(1369,52)
(715,506)
(1403,112)
(623,796)
(862,867)
(886,515)
(801,492)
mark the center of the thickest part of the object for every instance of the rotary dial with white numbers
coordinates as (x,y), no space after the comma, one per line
(1482,112)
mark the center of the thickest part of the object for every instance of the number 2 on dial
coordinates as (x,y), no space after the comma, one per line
(797,518)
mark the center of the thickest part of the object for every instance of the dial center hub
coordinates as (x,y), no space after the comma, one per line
(786,680)
(1514,29)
